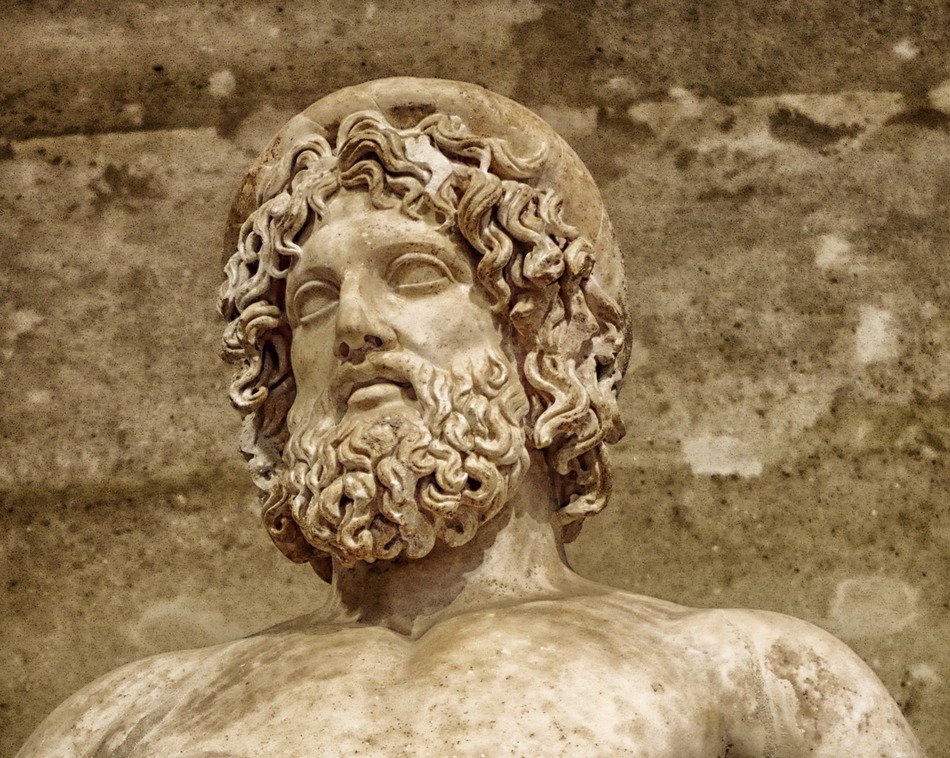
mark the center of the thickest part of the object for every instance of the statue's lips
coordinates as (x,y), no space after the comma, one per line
(377,380)
(378,391)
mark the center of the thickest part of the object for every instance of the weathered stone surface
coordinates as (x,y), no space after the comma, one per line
(93,66)
(87,281)
(789,394)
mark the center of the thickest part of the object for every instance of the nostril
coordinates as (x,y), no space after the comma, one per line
(373,340)
(343,350)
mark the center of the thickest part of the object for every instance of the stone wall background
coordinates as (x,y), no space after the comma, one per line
(778,175)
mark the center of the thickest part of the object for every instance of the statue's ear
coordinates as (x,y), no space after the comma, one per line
(323,565)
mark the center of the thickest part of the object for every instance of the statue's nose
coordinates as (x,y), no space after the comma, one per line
(360,327)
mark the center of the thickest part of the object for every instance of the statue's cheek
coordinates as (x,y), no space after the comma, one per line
(446,326)
(311,356)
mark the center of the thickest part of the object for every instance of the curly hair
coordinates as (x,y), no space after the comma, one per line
(567,333)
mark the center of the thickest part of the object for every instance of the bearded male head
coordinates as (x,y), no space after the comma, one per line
(419,294)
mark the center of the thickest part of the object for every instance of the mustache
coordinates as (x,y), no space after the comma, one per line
(399,368)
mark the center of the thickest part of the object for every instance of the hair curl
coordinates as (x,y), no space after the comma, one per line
(536,268)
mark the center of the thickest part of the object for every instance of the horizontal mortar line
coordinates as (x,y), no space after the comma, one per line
(107,491)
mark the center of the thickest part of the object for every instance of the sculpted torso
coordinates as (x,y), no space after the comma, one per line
(430,327)
(606,673)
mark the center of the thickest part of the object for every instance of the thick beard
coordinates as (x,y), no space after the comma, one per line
(390,482)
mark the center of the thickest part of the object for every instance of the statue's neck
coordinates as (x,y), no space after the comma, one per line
(514,557)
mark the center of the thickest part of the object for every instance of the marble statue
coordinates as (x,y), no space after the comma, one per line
(426,303)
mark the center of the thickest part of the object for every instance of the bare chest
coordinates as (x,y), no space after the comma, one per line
(491,692)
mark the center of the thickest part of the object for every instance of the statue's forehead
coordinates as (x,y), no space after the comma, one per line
(355,230)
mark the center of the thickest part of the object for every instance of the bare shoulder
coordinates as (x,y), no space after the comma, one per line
(97,718)
(122,704)
(782,686)
(117,710)
(818,696)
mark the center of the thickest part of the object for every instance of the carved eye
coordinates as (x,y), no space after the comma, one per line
(419,274)
(315,299)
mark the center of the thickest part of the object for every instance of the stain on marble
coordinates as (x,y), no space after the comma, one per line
(876,337)
(873,606)
(939,97)
(906,49)
(832,252)
(721,455)
(222,84)
(133,114)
